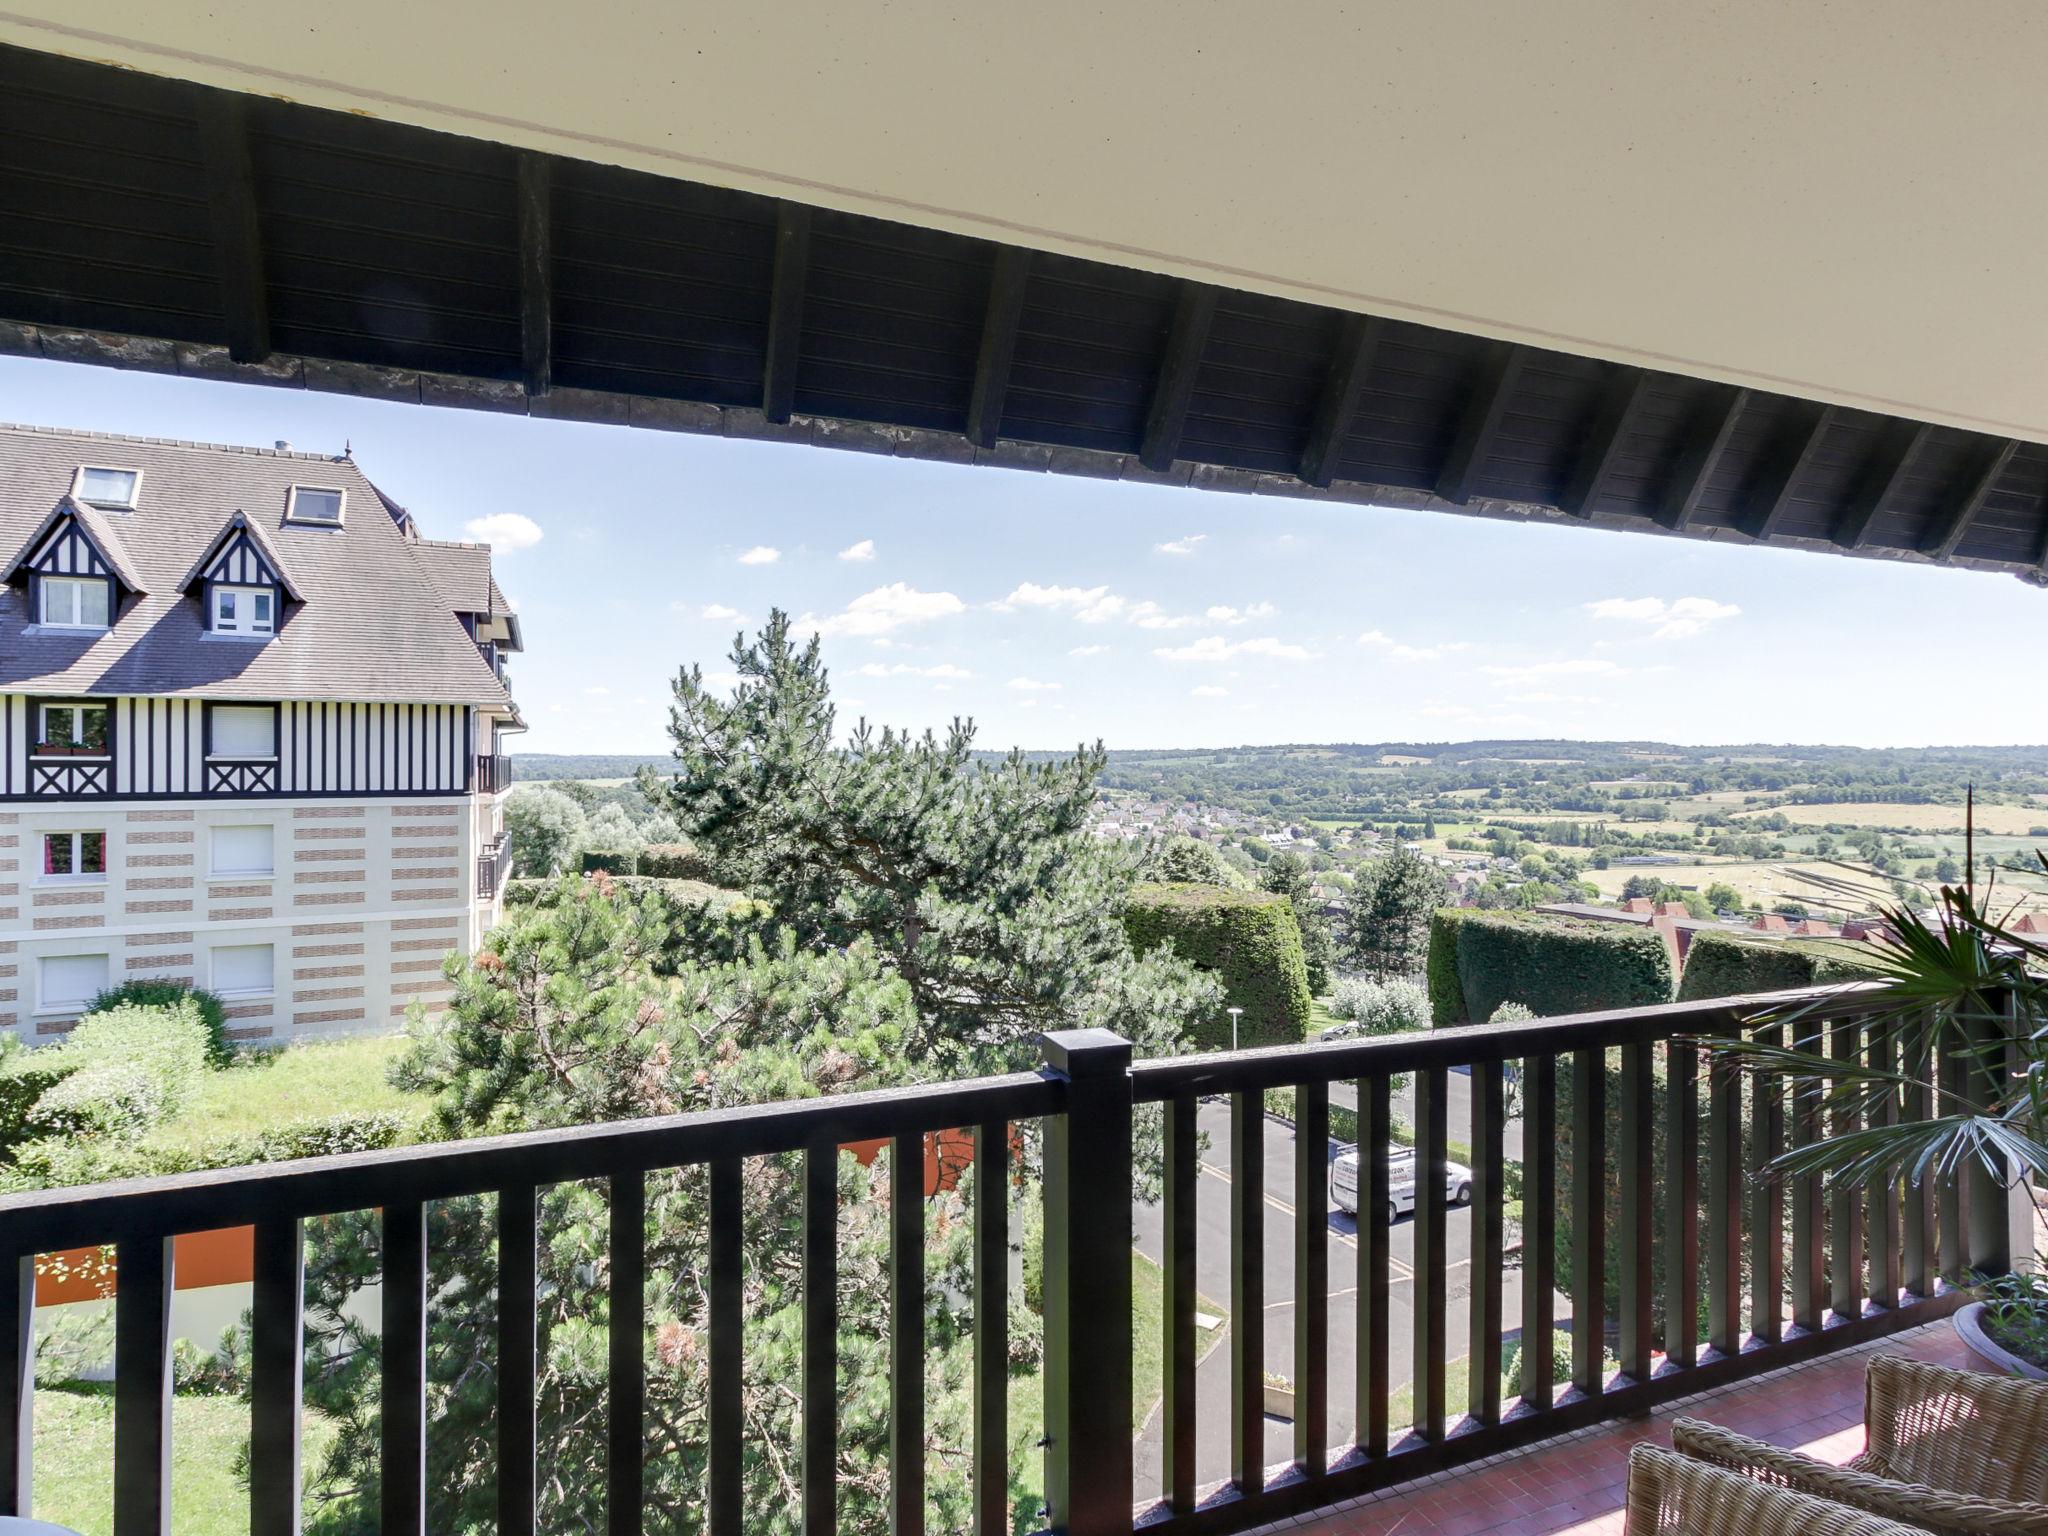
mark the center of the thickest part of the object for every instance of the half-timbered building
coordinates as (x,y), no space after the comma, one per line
(250,734)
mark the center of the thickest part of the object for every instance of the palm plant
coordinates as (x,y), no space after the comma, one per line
(1955,983)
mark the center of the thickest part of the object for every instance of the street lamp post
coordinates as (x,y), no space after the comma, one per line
(1235,1015)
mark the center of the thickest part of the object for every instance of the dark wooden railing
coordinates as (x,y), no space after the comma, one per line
(493,773)
(1860,1264)
(493,865)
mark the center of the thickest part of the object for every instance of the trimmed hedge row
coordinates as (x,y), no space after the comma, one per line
(1553,965)
(1729,965)
(61,1162)
(1248,940)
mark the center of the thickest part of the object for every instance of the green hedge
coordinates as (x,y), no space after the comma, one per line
(58,1162)
(1554,965)
(1731,964)
(1248,940)
(612,861)
(163,992)
(672,861)
(121,1071)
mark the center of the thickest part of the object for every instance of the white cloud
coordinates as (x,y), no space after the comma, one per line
(885,609)
(1223,613)
(723,681)
(504,531)
(1209,691)
(1573,666)
(720,611)
(761,554)
(1216,648)
(1543,696)
(597,693)
(1092,605)
(1680,619)
(1088,650)
(1033,685)
(1184,546)
(1397,651)
(864,550)
(944,669)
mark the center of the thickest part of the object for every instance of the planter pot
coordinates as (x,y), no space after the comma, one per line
(1280,1402)
(1970,1328)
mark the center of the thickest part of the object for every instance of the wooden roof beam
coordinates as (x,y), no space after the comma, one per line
(1945,533)
(237,229)
(1358,339)
(1706,440)
(536,274)
(1500,368)
(1604,437)
(1174,389)
(1007,281)
(1773,493)
(1883,473)
(786,310)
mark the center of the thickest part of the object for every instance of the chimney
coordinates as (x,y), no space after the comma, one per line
(284,445)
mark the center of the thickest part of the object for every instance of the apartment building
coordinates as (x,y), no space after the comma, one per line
(251,730)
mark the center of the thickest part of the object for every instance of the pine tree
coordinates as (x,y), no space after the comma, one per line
(1387,914)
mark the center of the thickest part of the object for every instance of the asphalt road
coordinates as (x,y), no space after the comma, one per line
(1212,1269)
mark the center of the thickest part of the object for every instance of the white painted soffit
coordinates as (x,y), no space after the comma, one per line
(1838,201)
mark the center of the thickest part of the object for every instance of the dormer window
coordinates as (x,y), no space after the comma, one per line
(244,610)
(318,506)
(113,490)
(75,602)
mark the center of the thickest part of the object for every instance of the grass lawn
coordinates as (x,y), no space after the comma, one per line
(74,1461)
(301,1082)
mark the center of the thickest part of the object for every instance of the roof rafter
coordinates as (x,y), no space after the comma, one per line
(536,274)
(1174,388)
(1945,532)
(237,228)
(1773,493)
(1008,278)
(1499,371)
(1358,340)
(1705,441)
(1883,472)
(1604,437)
(786,310)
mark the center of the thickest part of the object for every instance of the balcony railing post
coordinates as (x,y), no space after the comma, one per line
(17,1381)
(1088,1472)
(2000,1221)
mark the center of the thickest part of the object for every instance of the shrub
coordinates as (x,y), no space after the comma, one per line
(1381,1007)
(122,1070)
(58,1162)
(1554,965)
(672,861)
(612,861)
(1511,1013)
(163,991)
(1248,940)
(522,892)
(1730,964)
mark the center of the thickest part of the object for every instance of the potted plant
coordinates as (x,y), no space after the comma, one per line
(2008,1329)
(1279,1396)
(1979,988)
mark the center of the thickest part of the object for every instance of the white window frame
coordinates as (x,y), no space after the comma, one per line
(340,495)
(42,727)
(235,626)
(73,585)
(239,994)
(44,1003)
(214,871)
(134,492)
(78,836)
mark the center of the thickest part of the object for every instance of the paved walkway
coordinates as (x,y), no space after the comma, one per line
(1574,1486)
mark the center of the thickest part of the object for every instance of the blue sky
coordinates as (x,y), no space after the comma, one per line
(1056,610)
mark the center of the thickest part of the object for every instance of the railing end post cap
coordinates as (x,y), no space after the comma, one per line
(1085,1052)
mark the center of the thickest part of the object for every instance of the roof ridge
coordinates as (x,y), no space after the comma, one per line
(452,544)
(88,435)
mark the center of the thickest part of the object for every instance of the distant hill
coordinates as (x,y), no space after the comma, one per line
(544,767)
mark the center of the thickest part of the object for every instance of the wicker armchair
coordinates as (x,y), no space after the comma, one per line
(1950,1451)
(1671,1495)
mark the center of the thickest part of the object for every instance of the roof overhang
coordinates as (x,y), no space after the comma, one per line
(1756,197)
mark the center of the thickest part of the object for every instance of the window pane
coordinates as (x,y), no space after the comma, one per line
(316,506)
(107,487)
(92,853)
(59,723)
(93,727)
(243,851)
(260,610)
(92,603)
(60,601)
(224,604)
(57,853)
(242,969)
(242,730)
(71,981)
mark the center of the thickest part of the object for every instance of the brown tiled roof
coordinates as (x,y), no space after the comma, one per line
(375,624)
